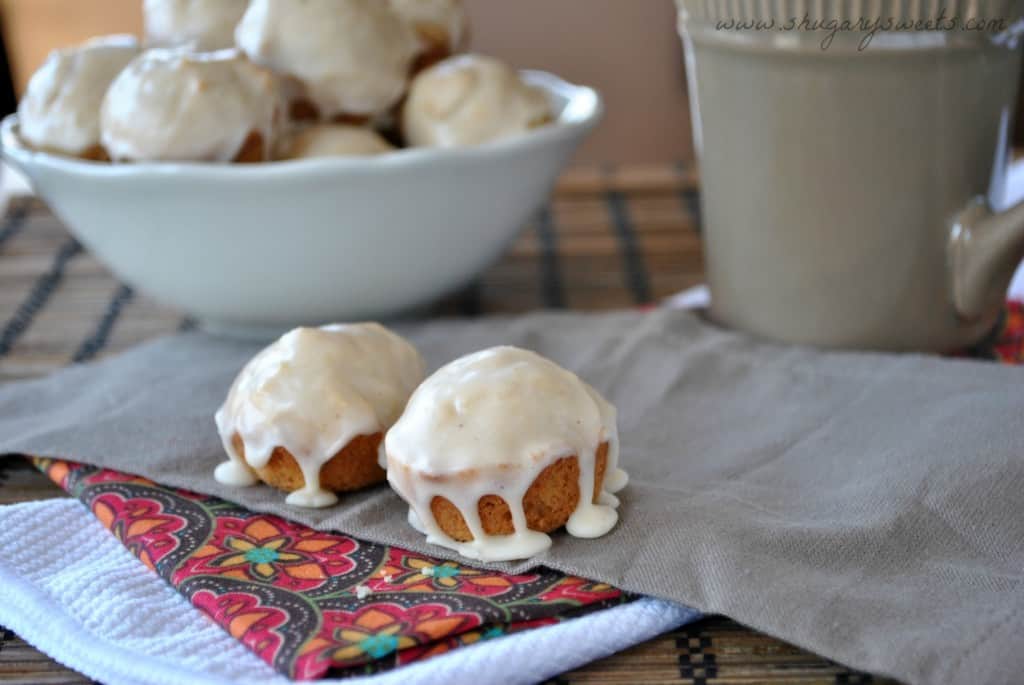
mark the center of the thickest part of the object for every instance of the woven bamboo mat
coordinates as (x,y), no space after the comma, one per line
(609,238)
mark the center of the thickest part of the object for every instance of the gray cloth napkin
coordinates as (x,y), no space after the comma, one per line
(864,506)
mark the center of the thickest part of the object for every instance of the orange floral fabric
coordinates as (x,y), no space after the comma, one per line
(311,603)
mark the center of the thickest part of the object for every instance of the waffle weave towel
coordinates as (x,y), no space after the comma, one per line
(82,598)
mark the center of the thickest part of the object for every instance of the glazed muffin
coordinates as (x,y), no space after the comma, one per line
(174,105)
(203,25)
(350,57)
(501,447)
(307,414)
(468,100)
(441,26)
(332,140)
(60,111)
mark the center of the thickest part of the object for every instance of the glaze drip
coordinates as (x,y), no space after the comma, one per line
(490,423)
(312,392)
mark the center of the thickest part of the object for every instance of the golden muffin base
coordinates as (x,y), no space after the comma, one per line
(541,121)
(352,468)
(93,153)
(549,502)
(303,110)
(96,153)
(437,46)
(253,150)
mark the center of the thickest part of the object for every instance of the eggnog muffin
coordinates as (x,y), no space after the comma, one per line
(202,24)
(60,111)
(333,140)
(468,100)
(441,26)
(500,447)
(172,105)
(352,57)
(307,414)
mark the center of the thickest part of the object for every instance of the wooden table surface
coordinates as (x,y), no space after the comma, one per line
(609,238)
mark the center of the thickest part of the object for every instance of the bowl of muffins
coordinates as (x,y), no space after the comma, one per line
(261,164)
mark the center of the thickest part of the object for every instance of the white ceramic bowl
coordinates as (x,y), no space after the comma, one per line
(257,248)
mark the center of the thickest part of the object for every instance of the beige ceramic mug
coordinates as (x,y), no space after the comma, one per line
(851,178)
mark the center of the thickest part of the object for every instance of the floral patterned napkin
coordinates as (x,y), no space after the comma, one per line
(309,603)
(312,603)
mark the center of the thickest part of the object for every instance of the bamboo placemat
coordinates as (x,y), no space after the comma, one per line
(609,238)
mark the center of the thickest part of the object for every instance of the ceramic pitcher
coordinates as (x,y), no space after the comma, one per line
(853,179)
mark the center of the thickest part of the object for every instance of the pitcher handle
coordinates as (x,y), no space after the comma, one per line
(985,249)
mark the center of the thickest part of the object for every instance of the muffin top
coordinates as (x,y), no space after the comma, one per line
(333,140)
(60,108)
(489,424)
(312,391)
(352,56)
(470,99)
(176,105)
(498,408)
(201,24)
(435,21)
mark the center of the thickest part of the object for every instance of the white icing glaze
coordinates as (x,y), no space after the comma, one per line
(353,56)
(430,16)
(201,24)
(60,110)
(489,423)
(333,140)
(177,105)
(311,392)
(470,99)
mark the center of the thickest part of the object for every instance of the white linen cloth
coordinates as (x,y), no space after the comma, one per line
(68,587)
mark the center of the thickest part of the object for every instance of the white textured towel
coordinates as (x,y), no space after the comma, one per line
(87,602)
